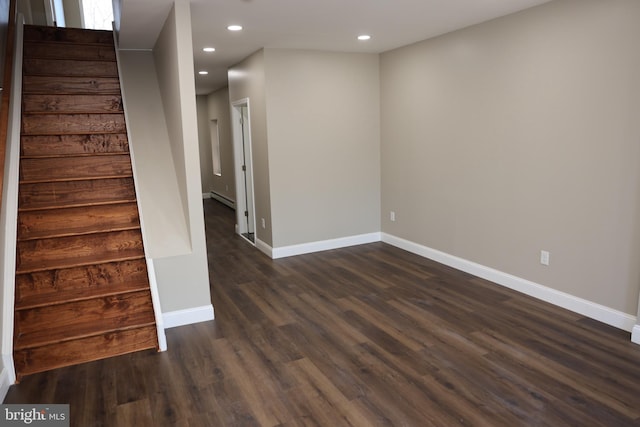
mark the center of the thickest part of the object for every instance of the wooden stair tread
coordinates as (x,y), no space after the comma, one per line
(70,85)
(79,319)
(70,104)
(69,332)
(78,262)
(63,194)
(76,123)
(63,334)
(73,251)
(75,295)
(76,205)
(43,224)
(71,35)
(78,231)
(68,50)
(65,156)
(44,180)
(69,67)
(50,169)
(49,145)
(94,280)
(68,353)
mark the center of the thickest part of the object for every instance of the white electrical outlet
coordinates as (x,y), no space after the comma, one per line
(544,257)
(264,224)
(392,216)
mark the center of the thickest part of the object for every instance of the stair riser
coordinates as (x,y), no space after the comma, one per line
(67,168)
(57,124)
(71,103)
(56,145)
(69,67)
(91,279)
(70,85)
(64,252)
(56,50)
(60,194)
(56,222)
(84,350)
(71,35)
(111,312)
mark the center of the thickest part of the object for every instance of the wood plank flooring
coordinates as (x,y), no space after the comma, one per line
(363,336)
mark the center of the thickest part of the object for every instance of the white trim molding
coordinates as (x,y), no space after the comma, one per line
(324,245)
(219,197)
(173,319)
(157,308)
(264,248)
(153,283)
(635,334)
(5,383)
(9,213)
(7,375)
(578,305)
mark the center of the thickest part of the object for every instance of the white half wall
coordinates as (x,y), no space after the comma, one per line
(159,93)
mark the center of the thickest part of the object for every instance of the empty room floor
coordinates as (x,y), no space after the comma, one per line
(363,336)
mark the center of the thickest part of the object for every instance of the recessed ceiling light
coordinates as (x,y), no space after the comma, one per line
(203,73)
(364,37)
(234,27)
(209,49)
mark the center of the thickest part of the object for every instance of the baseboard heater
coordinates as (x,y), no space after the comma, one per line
(224,200)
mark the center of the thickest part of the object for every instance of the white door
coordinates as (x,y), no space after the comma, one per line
(245,204)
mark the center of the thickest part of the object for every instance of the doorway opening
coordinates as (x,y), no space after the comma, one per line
(245,210)
(215,147)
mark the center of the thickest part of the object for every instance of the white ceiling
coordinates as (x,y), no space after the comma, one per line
(304,24)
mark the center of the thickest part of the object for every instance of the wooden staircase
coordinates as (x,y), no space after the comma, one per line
(82,290)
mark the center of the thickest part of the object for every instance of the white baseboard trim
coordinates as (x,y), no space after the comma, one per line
(264,248)
(581,306)
(324,245)
(635,334)
(188,316)
(220,198)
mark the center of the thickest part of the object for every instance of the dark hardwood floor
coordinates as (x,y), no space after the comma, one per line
(363,336)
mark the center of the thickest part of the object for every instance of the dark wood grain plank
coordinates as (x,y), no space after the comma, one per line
(37,103)
(74,168)
(67,252)
(63,194)
(69,85)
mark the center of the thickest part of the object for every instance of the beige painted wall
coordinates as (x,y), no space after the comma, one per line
(218,108)
(518,135)
(166,230)
(167,58)
(246,80)
(174,62)
(72,13)
(323,112)
(4,24)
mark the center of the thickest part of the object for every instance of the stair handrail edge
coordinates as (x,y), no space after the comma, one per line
(9,212)
(153,283)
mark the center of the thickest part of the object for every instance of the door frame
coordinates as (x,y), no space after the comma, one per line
(241,190)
